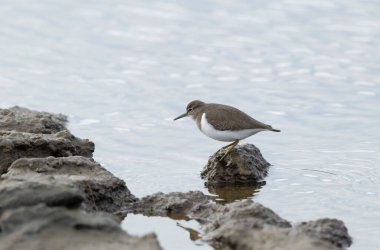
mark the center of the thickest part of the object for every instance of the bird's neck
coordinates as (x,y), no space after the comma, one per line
(198,117)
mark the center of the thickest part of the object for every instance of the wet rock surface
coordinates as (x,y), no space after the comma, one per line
(244,164)
(243,224)
(26,120)
(15,145)
(41,227)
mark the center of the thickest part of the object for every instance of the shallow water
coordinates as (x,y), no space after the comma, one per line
(123,69)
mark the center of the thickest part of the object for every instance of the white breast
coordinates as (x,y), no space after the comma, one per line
(225,135)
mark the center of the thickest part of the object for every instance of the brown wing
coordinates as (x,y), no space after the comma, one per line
(230,118)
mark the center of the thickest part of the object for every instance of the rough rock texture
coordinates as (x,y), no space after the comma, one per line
(15,145)
(243,164)
(249,225)
(241,210)
(268,238)
(50,186)
(103,191)
(331,230)
(175,205)
(14,194)
(244,224)
(26,120)
(40,227)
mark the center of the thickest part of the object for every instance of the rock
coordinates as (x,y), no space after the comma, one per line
(243,224)
(48,184)
(244,164)
(103,191)
(331,230)
(14,194)
(26,120)
(249,225)
(175,205)
(267,238)
(15,145)
(41,227)
(242,210)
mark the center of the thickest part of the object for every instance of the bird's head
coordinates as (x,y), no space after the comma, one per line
(193,109)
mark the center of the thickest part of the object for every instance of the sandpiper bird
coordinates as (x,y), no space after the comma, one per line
(224,123)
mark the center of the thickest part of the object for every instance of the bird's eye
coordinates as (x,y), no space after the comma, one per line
(190,109)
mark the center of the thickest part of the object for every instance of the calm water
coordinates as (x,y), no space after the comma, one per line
(123,69)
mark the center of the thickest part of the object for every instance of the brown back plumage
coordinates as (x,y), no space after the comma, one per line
(224,117)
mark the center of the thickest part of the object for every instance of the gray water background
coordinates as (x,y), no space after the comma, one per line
(123,69)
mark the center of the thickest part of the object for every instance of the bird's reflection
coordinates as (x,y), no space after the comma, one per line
(193,234)
(231,193)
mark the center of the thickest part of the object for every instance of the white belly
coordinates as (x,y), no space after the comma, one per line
(225,135)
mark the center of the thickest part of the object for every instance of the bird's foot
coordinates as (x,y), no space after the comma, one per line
(232,145)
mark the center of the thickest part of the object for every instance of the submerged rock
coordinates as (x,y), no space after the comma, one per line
(41,227)
(244,164)
(15,145)
(26,120)
(102,191)
(243,224)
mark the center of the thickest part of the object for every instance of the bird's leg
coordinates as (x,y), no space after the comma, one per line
(229,145)
(232,146)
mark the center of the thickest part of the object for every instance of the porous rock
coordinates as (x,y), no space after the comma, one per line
(241,237)
(240,210)
(249,225)
(242,224)
(331,230)
(51,183)
(243,164)
(176,204)
(15,145)
(26,120)
(18,193)
(42,227)
(102,190)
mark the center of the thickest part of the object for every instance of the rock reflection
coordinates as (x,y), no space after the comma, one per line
(231,193)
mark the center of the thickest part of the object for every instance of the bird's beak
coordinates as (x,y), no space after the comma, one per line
(181,116)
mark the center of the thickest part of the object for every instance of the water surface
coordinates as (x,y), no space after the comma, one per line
(123,69)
